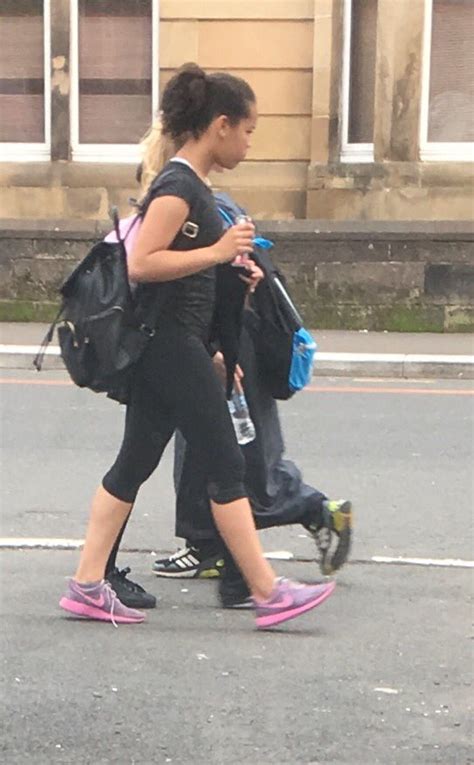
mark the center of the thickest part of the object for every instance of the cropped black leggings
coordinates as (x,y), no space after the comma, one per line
(176,387)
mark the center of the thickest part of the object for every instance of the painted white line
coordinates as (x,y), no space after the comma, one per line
(52,350)
(439,562)
(20,543)
(279,555)
(47,543)
(39,543)
(390,358)
(396,358)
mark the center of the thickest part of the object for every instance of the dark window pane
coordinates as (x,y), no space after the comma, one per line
(22,72)
(451,100)
(362,71)
(115,68)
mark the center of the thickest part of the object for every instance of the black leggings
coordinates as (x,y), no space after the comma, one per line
(176,387)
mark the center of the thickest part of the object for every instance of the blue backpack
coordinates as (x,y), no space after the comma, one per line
(285,349)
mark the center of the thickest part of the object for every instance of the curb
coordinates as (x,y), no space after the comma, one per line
(394,365)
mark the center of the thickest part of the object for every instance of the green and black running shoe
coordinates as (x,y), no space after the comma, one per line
(190,563)
(334,538)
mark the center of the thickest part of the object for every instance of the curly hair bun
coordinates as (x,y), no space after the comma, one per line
(193,98)
(184,100)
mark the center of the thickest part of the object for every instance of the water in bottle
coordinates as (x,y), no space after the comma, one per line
(241,420)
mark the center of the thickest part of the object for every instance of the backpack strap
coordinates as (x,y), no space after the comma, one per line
(39,358)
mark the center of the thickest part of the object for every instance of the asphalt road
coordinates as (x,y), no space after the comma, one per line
(381,673)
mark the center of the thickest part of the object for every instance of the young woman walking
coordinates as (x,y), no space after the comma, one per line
(179,246)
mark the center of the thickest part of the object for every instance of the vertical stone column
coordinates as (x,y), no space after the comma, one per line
(398,80)
(60,80)
(327,62)
(327,76)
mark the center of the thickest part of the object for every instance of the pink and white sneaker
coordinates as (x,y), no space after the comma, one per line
(290,599)
(98,600)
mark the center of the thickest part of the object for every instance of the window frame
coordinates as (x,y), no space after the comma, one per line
(27,151)
(123,153)
(436,151)
(350,152)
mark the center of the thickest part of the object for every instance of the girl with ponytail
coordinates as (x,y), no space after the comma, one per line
(185,260)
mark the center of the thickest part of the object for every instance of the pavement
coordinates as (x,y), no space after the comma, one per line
(340,353)
(379,674)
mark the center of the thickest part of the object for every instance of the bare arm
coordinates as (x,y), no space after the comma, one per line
(152,261)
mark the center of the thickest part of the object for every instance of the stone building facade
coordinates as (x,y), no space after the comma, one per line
(366,106)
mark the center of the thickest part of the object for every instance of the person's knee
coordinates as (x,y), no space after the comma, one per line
(226,483)
(123,487)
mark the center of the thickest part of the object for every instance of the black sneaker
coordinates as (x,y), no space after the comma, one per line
(130,593)
(234,594)
(190,563)
(334,537)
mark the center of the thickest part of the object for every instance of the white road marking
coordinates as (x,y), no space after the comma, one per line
(442,562)
(51,543)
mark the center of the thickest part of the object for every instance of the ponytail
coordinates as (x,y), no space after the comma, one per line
(156,150)
(192,99)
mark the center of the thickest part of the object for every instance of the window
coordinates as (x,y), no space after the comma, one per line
(358,80)
(447,113)
(114,85)
(25,88)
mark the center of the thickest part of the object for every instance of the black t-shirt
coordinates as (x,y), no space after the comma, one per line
(189,302)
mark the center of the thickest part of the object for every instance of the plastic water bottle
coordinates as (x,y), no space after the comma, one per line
(240,260)
(241,420)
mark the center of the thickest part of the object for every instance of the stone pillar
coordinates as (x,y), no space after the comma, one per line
(60,80)
(327,61)
(398,80)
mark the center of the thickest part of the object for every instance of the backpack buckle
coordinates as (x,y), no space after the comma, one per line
(190,229)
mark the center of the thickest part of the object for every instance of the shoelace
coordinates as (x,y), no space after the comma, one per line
(113,594)
(130,586)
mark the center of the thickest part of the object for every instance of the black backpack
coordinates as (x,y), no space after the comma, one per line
(103,328)
(285,349)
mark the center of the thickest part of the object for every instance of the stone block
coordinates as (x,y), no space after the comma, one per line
(272,204)
(288,175)
(281,138)
(86,203)
(321,92)
(322,58)
(372,283)
(450,282)
(431,251)
(403,204)
(459,318)
(237,9)
(31,202)
(447,174)
(261,44)
(320,139)
(178,43)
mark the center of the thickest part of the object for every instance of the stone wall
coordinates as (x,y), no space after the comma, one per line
(393,276)
(291,51)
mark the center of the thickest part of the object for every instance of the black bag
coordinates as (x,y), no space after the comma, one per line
(103,328)
(284,348)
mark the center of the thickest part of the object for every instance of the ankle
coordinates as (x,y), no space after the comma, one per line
(88,577)
(85,584)
(262,593)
